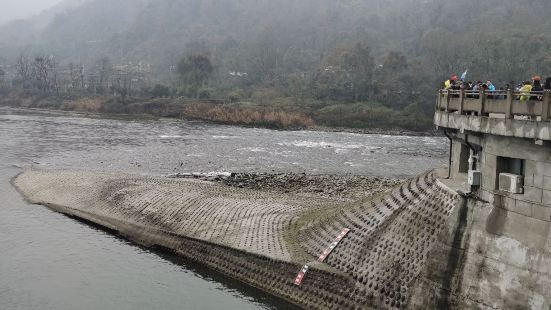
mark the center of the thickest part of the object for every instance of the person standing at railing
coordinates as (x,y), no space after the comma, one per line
(451,82)
(510,86)
(537,88)
(491,86)
(468,88)
(491,89)
(525,91)
(476,89)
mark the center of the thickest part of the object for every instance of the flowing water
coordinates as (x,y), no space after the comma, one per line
(50,261)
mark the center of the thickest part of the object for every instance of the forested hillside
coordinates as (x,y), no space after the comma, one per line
(367,61)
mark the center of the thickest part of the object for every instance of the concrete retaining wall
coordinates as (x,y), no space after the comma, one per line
(487,258)
(535,202)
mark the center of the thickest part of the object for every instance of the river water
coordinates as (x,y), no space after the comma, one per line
(50,261)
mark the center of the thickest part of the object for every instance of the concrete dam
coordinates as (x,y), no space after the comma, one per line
(477,236)
(419,245)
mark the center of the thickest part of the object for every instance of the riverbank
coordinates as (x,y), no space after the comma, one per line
(272,116)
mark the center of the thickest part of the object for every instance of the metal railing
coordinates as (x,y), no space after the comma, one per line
(506,102)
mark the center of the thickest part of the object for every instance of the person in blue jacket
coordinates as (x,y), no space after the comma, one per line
(490,89)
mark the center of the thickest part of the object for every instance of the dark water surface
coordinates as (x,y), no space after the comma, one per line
(50,261)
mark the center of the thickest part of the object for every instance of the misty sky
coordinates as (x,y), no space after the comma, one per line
(15,9)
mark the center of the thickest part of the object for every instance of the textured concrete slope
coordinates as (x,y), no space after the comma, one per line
(264,238)
(242,219)
(390,238)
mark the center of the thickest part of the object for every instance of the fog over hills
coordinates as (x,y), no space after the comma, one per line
(160,31)
(29,9)
(287,43)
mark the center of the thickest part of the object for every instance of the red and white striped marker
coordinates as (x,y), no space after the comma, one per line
(333,245)
(323,256)
(301,274)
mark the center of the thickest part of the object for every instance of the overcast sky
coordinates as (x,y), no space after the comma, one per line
(16,9)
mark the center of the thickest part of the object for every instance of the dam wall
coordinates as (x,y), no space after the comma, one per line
(420,245)
(496,252)
(487,258)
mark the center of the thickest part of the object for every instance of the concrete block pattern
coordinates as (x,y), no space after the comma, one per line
(250,235)
(546,183)
(541,212)
(546,197)
(239,218)
(387,246)
(523,207)
(531,194)
(546,169)
(539,174)
(529,172)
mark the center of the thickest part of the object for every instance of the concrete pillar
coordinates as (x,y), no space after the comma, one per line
(482,101)
(448,97)
(545,107)
(509,104)
(461,100)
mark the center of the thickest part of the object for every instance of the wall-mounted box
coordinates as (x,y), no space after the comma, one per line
(474,177)
(511,183)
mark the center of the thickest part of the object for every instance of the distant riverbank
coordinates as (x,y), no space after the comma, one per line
(213,111)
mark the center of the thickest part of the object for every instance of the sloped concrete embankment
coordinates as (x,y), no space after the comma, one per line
(389,242)
(264,238)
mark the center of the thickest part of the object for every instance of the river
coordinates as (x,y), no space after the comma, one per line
(50,261)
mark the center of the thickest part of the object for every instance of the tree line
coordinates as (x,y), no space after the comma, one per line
(369,57)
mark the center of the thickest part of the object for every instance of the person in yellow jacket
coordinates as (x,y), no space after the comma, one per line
(525,91)
(449,83)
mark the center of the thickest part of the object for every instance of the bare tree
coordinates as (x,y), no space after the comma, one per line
(2,78)
(195,71)
(105,71)
(44,73)
(23,67)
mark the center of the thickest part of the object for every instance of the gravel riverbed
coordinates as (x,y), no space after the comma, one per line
(339,187)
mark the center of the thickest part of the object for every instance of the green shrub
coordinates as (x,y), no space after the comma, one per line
(160,91)
(368,115)
(236,95)
(205,93)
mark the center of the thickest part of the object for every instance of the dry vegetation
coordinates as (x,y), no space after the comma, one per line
(248,115)
(91,105)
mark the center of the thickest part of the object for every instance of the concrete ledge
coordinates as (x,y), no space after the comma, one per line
(497,126)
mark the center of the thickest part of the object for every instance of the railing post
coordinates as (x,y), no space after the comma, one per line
(482,101)
(448,100)
(545,106)
(461,100)
(509,106)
